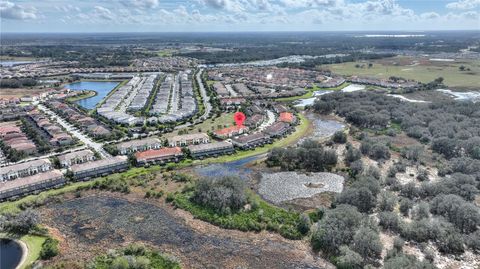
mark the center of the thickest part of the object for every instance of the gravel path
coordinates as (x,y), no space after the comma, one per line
(286,186)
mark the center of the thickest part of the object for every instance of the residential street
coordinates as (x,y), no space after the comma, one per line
(98,147)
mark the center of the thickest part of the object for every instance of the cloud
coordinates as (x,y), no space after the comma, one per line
(228,5)
(429,15)
(312,3)
(9,10)
(103,13)
(464,4)
(143,4)
(68,8)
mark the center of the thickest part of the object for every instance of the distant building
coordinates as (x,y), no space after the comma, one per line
(24,169)
(139,145)
(77,157)
(31,184)
(98,168)
(278,129)
(230,131)
(254,120)
(212,149)
(188,139)
(251,140)
(231,103)
(160,156)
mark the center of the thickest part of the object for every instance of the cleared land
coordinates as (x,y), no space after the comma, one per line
(420,69)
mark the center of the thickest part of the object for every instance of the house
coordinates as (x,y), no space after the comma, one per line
(277,129)
(24,169)
(279,108)
(255,120)
(139,145)
(287,117)
(231,103)
(31,184)
(77,157)
(98,130)
(251,140)
(212,149)
(98,168)
(160,156)
(230,131)
(61,139)
(188,139)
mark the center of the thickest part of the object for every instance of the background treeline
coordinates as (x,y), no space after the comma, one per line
(17,82)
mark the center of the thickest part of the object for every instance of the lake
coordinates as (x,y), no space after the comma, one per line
(101,87)
(10,253)
(235,168)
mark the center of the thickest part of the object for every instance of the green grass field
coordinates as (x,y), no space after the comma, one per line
(421,70)
(34,245)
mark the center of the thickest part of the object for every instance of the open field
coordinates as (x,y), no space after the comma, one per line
(19,92)
(88,223)
(422,70)
(226,119)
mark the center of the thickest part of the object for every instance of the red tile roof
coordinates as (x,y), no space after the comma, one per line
(158,153)
(286,117)
(230,130)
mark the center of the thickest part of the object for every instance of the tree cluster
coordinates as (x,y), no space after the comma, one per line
(309,156)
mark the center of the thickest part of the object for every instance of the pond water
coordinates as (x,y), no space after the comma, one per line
(101,87)
(10,253)
(235,168)
(463,96)
(13,63)
(310,101)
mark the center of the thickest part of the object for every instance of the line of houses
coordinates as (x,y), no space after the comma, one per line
(37,175)
(91,126)
(13,137)
(57,136)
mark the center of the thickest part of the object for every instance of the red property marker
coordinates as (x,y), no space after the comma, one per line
(239,118)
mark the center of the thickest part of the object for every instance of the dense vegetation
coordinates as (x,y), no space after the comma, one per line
(309,156)
(225,202)
(439,213)
(134,257)
(17,82)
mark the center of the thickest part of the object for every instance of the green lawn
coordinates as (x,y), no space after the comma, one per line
(421,71)
(226,119)
(34,245)
(88,94)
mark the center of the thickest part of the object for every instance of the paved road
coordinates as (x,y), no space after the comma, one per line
(205,97)
(268,122)
(51,154)
(75,132)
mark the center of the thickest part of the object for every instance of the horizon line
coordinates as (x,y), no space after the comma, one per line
(253,31)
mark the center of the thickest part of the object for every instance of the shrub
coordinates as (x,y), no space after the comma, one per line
(349,259)
(224,195)
(304,224)
(339,137)
(389,221)
(49,249)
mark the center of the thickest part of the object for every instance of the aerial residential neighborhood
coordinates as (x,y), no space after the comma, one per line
(148,134)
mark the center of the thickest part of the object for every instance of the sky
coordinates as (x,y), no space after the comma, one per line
(237,15)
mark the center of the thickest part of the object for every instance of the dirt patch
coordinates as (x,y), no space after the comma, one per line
(95,223)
